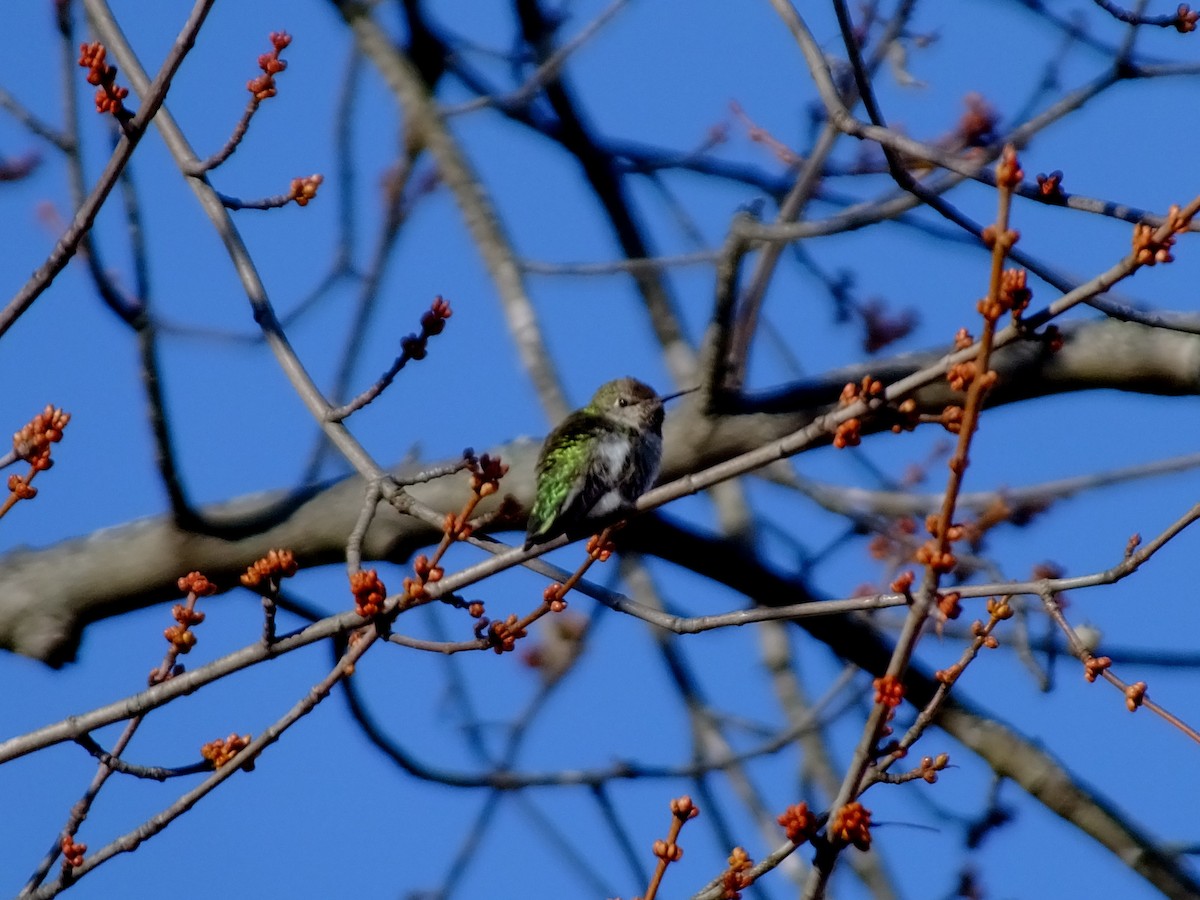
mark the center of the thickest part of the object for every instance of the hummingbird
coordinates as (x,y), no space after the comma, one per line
(598,460)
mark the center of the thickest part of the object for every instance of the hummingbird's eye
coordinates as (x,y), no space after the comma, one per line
(622,402)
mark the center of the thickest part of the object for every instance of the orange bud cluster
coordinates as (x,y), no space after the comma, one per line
(486,472)
(72,852)
(903,583)
(304,190)
(20,487)
(866,390)
(600,550)
(960,375)
(683,808)
(108,96)
(907,416)
(739,860)
(798,823)
(1094,665)
(1014,290)
(1135,695)
(930,766)
(1186,18)
(414,589)
(426,571)
(180,636)
(852,825)
(735,877)
(275,565)
(32,442)
(949,605)
(552,596)
(1147,250)
(948,675)
(952,417)
(870,391)
(1013,297)
(999,608)
(668,852)
(196,583)
(1008,170)
(1007,239)
(982,632)
(1050,187)
(889,691)
(263,86)
(503,636)
(219,752)
(848,434)
(369,593)
(941,561)
(457,527)
(185,615)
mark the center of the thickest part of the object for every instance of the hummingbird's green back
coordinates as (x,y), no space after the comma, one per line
(598,459)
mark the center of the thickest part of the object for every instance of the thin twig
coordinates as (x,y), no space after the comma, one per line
(153,96)
(148,829)
(482,220)
(546,72)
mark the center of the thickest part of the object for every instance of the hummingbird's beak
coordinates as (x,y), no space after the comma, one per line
(679,394)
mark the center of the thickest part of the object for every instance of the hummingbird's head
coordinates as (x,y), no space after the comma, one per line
(629,402)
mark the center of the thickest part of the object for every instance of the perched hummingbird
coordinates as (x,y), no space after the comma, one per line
(598,460)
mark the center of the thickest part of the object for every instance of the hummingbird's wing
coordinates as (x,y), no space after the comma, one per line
(570,478)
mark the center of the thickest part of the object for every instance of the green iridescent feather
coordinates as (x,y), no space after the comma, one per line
(598,460)
(564,485)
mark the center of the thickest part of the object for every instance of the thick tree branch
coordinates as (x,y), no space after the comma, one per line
(48,595)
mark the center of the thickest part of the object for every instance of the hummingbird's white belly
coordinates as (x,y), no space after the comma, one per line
(613,462)
(610,502)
